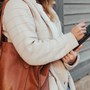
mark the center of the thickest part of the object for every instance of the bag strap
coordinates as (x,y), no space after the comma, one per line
(1,15)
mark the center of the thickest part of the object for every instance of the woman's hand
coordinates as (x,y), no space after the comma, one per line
(79,30)
(70,58)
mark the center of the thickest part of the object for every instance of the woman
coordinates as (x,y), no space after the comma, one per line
(35,30)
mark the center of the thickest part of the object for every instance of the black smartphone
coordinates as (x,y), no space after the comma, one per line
(87,35)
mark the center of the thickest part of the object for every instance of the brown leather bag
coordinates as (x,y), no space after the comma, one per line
(15,74)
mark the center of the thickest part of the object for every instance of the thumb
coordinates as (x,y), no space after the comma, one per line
(78,49)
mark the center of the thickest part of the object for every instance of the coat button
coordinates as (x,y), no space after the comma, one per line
(64,82)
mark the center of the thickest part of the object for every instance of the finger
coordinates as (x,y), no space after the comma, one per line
(65,60)
(83,28)
(72,52)
(82,32)
(72,55)
(82,24)
(78,49)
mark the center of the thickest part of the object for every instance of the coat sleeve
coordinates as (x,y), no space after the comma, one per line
(70,67)
(20,27)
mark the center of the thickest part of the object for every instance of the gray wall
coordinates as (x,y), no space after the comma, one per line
(76,11)
(59,9)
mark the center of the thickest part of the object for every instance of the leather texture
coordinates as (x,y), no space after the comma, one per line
(18,75)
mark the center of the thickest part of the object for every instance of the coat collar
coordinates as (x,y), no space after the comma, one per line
(39,13)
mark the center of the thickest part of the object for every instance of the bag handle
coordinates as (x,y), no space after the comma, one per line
(1,15)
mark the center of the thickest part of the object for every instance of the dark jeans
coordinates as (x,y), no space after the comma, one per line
(68,87)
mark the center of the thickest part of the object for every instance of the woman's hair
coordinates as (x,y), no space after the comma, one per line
(47,5)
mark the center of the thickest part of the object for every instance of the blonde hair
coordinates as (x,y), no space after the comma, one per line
(47,5)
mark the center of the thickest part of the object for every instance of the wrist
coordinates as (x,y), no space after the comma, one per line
(71,63)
